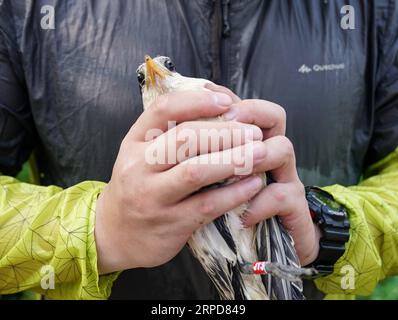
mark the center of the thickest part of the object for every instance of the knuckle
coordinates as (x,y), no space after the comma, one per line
(192,175)
(126,145)
(278,192)
(281,112)
(124,173)
(206,207)
(286,146)
(130,167)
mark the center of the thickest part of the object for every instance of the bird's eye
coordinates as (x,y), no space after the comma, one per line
(170,65)
(141,78)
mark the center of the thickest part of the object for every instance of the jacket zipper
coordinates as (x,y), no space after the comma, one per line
(220,28)
(226,27)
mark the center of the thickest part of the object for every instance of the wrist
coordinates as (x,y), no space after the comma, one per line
(314,252)
(106,239)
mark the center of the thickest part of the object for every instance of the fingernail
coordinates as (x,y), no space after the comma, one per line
(231,114)
(246,219)
(243,222)
(259,152)
(222,99)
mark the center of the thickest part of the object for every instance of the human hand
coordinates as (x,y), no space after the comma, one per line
(147,212)
(286,197)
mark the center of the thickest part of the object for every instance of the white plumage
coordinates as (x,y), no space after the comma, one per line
(224,247)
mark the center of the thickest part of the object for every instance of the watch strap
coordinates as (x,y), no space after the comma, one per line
(334,226)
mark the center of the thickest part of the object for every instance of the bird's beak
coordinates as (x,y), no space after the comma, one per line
(153,70)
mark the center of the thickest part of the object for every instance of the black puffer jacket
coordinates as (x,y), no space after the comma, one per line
(71,92)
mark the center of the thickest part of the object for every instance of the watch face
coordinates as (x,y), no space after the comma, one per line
(326,200)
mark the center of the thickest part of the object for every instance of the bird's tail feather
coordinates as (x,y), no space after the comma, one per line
(277,246)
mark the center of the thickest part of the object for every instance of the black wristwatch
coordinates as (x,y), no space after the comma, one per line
(332,219)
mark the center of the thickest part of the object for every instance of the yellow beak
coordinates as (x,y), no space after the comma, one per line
(153,70)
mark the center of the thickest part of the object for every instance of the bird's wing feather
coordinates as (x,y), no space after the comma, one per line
(217,260)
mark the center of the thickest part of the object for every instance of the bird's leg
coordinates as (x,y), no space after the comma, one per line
(279,270)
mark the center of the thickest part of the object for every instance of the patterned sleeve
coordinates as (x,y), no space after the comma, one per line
(47,241)
(372,251)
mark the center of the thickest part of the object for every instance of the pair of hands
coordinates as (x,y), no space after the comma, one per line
(147,212)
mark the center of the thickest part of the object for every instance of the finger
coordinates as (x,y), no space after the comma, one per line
(275,199)
(206,206)
(288,202)
(217,88)
(279,159)
(179,107)
(204,170)
(264,114)
(190,139)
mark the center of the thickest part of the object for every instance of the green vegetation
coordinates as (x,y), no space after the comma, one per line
(386,290)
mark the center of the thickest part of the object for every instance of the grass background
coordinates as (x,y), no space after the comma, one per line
(386,290)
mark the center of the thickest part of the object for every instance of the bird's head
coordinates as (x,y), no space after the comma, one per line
(155,77)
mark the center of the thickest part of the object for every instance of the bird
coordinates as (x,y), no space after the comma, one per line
(256,263)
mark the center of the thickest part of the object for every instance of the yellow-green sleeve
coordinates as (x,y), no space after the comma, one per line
(372,251)
(46,234)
